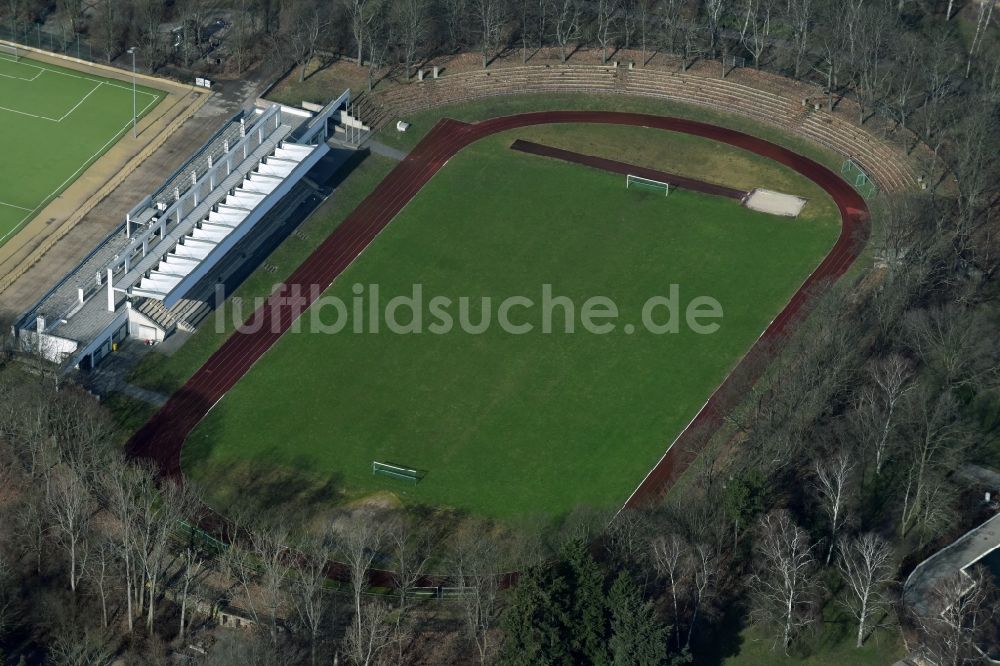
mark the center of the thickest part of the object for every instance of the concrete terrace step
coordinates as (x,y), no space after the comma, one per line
(154,310)
(884,164)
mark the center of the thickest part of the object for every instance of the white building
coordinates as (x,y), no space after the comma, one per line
(139,280)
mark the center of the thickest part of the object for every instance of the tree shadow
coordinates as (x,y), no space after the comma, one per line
(725,641)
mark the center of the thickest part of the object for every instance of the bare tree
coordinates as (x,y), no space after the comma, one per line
(270,548)
(110,26)
(891,376)
(707,569)
(865,563)
(714,11)
(940,65)
(454,20)
(671,24)
(870,56)
(526,9)
(362,13)
(962,610)
(239,565)
(671,559)
(148,16)
(983,20)
(783,582)
(567,26)
(904,77)
(7,595)
(975,166)
(935,435)
(629,10)
(378,39)
(756,32)
(832,479)
(159,511)
(492,16)
(307,588)
(476,564)
(246,32)
(626,538)
(15,9)
(412,543)
(304,25)
(410,17)
(71,506)
(951,342)
(192,565)
(360,535)
(100,571)
(831,48)
(608,12)
(124,484)
(644,10)
(801,17)
(71,12)
(80,646)
(937,511)
(370,633)
(32,528)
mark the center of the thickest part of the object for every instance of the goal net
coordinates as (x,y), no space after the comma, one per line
(858,177)
(8,52)
(646,183)
(395,471)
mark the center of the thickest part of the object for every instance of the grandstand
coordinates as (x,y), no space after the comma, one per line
(151,274)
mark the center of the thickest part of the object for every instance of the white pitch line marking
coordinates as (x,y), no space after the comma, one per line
(4,203)
(77,105)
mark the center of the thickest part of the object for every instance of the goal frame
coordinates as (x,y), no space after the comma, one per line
(858,177)
(9,49)
(641,181)
(395,471)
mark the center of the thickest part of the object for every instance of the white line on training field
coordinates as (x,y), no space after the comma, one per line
(4,203)
(81,77)
(30,115)
(75,107)
(83,166)
(41,70)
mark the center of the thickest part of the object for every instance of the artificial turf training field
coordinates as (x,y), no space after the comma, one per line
(509,425)
(54,123)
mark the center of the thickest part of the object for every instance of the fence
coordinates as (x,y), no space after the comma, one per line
(65,43)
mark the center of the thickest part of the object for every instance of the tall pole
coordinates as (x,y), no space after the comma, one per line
(134,133)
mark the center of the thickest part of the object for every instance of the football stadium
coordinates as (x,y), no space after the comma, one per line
(519,333)
(541,421)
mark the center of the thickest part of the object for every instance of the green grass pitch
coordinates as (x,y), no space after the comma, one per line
(54,123)
(500,424)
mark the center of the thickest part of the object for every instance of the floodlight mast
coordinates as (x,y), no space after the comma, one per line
(134,133)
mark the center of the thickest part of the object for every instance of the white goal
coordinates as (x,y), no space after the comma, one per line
(396,471)
(9,52)
(647,183)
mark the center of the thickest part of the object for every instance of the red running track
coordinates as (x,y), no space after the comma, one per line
(162,437)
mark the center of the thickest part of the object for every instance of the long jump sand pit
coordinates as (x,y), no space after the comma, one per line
(775,203)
